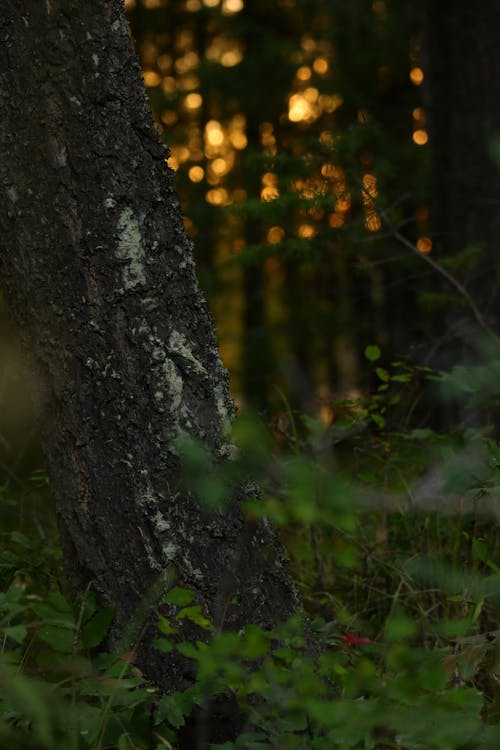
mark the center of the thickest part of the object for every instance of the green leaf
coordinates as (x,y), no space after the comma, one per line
(195,615)
(378,419)
(403,378)
(166,627)
(169,710)
(188,649)
(60,639)
(16,632)
(163,645)
(95,630)
(180,597)
(372,353)
(382,374)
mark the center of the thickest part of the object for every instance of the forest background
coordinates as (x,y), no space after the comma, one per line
(337,165)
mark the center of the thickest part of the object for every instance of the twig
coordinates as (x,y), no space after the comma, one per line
(451,280)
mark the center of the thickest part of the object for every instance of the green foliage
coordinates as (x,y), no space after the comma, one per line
(401,587)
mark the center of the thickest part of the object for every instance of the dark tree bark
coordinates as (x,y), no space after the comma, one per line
(99,276)
(464,75)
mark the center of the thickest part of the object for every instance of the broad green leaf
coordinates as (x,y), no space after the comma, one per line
(94,631)
(59,638)
(16,632)
(372,353)
(180,597)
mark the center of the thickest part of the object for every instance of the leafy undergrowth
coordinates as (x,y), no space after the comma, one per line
(393,538)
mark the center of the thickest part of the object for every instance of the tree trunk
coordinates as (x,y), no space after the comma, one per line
(99,276)
(464,75)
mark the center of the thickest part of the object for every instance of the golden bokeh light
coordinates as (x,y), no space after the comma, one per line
(217,197)
(306,231)
(193,101)
(238,140)
(164,63)
(326,137)
(320,66)
(304,73)
(270,179)
(190,226)
(169,85)
(153,4)
(193,5)
(187,62)
(424,244)
(343,203)
(151,78)
(231,57)
(173,162)
(169,117)
(275,235)
(129,4)
(267,137)
(299,108)
(416,76)
(214,135)
(211,3)
(372,222)
(369,188)
(307,43)
(311,94)
(420,137)
(328,170)
(232,6)
(269,193)
(368,193)
(220,167)
(189,82)
(196,173)
(329,103)
(180,153)
(336,220)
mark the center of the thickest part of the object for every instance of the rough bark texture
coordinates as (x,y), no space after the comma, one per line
(99,275)
(464,76)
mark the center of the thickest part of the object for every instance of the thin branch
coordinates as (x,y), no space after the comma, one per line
(450,279)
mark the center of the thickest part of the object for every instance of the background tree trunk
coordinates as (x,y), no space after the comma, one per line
(464,70)
(99,276)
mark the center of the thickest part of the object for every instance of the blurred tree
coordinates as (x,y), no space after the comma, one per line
(99,275)
(464,70)
(306,115)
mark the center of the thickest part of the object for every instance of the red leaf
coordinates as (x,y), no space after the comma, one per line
(354,640)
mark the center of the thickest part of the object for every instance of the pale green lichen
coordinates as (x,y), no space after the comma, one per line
(221,403)
(130,249)
(160,522)
(153,562)
(174,385)
(166,378)
(169,552)
(178,344)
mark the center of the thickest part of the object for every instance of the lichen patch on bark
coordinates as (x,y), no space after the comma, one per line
(130,249)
